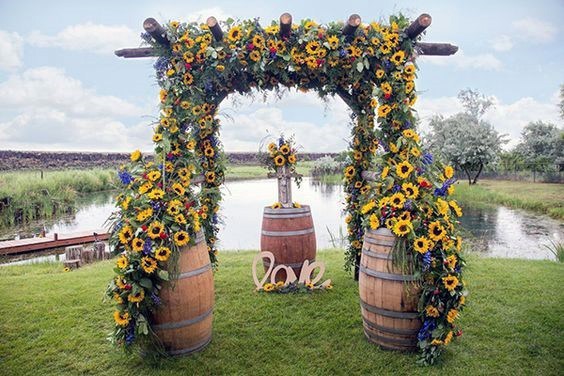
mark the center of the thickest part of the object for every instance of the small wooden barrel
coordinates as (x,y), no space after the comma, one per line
(289,234)
(388,297)
(183,323)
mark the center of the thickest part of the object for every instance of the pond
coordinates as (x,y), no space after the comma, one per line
(498,231)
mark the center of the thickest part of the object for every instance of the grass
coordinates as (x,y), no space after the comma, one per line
(246,172)
(539,197)
(55,323)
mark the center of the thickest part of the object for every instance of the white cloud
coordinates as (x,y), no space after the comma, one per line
(462,61)
(502,43)
(203,14)
(96,38)
(535,30)
(44,109)
(11,45)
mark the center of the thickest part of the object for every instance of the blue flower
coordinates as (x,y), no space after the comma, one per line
(426,260)
(130,333)
(148,246)
(156,300)
(396,188)
(425,332)
(125,177)
(427,158)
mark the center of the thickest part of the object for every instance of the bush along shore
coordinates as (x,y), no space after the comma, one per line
(513,325)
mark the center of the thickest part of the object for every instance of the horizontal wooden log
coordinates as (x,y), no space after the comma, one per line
(418,26)
(215,28)
(435,49)
(352,24)
(285,25)
(156,30)
(369,175)
(136,52)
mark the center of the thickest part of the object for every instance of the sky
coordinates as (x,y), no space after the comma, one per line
(63,89)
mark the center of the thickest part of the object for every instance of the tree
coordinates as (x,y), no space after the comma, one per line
(465,140)
(562,101)
(542,146)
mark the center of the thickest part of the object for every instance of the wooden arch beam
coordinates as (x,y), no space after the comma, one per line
(418,26)
(156,31)
(352,24)
(285,25)
(215,28)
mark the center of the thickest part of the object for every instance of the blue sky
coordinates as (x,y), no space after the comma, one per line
(61,87)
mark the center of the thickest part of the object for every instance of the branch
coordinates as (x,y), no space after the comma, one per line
(215,28)
(352,24)
(136,52)
(285,25)
(418,26)
(435,49)
(156,30)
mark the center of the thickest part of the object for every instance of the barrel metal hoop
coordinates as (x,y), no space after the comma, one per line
(286,216)
(388,313)
(291,265)
(183,323)
(303,209)
(197,347)
(404,332)
(378,255)
(388,276)
(387,243)
(288,233)
(391,340)
(195,272)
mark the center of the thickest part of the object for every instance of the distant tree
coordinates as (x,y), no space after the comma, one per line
(465,140)
(511,161)
(542,146)
(562,101)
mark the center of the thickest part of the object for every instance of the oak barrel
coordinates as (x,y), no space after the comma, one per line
(183,322)
(388,296)
(290,235)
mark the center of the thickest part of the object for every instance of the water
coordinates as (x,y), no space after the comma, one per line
(499,231)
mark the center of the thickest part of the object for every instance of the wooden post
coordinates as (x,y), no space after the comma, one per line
(352,24)
(418,26)
(284,177)
(215,28)
(285,25)
(156,30)
(435,49)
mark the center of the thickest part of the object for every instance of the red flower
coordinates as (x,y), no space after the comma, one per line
(250,46)
(163,235)
(387,96)
(144,227)
(436,292)
(128,287)
(188,66)
(189,204)
(458,333)
(273,50)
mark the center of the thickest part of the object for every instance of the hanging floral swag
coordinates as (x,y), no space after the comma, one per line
(373,71)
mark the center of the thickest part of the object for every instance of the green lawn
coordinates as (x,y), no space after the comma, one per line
(55,323)
(539,197)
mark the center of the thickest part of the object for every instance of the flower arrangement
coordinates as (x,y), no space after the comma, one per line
(293,287)
(278,205)
(281,154)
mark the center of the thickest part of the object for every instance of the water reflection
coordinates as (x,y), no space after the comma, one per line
(501,232)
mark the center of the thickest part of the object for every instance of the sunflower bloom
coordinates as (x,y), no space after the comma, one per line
(138,297)
(122,262)
(404,169)
(162,253)
(421,244)
(431,311)
(450,282)
(125,234)
(155,229)
(452,315)
(121,319)
(402,227)
(181,238)
(436,231)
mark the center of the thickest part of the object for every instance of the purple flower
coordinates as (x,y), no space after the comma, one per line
(396,188)
(428,326)
(427,158)
(426,260)
(146,37)
(130,333)
(156,300)
(125,177)
(342,53)
(148,246)
(408,205)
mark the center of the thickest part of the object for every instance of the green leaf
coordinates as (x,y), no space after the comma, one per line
(146,282)
(359,66)
(163,274)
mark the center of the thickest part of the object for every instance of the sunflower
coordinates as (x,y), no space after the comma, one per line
(380,73)
(398,57)
(449,172)
(374,221)
(144,188)
(431,311)
(297,205)
(385,48)
(397,200)
(258,41)
(118,298)
(209,152)
(442,207)
(210,177)
(285,149)
(386,88)
(276,205)
(349,171)
(180,219)
(384,172)
(384,110)
(137,244)
(255,55)
(450,261)
(148,264)
(144,214)
(178,189)
(436,231)
(312,47)
(162,253)
(333,42)
(404,169)
(125,203)
(279,160)
(155,230)
(135,156)
(457,210)
(421,244)
(450,282)
(125,234)
(181,238)
(234,34)
(367,207)
(188,79)
(409,87)
(122,262)
(268,287)
(411,191)
(458,243)
(156,194)
(373,103)
(272,147)
(121,319)
(137,297)
(292,158)
(402,227)
(157,137)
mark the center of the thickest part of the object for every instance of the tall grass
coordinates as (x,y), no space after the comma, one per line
(29,195)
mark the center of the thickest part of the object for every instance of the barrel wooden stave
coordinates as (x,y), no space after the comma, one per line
(183,322)
(388,304)
(289,234)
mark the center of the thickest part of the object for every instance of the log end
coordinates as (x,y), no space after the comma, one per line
(150,25)
(354,20)
(424,20)
(286,19)
(211,21)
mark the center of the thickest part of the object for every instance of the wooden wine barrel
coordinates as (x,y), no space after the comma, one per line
(289,234)
(183,322)
(388,297)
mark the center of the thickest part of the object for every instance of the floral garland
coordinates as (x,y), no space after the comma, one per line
(371,70)
(281,154)
(293,287)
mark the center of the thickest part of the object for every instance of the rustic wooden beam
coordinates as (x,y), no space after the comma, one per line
(418,26)
(352,24)
(285,25)
(156,30)
(435,49)
(136,52)
(215,28)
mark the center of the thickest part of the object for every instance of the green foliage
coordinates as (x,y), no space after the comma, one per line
(542,146)
(55,323)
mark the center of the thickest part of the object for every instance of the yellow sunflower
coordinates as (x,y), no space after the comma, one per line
(404,169)
(155,229)
(135,156)
(333,42)
(384,172)
(312,47)
(137,244)
(285,149)
(292,158)
(276,205)
(121,319)
(409,87)
(210,177)
(178,189)
(410,190)
(122,262)
(398,57)
(397,200)
(457,210)
(380,73)
(181,238)
(386,88)
(402,227)
(436,231)
(162,253)
(188,79)
(279,160)
(255,55)
(367,207)
(234,34)
(421,244)
(156,194)
(448,337)
(449,172)
(148,264)
(349,172)
(384,110)
(450,282)
(180,219)
(374,221)
(136,298)
(450,261)
(431,311)
(442,206)
(157,137)
(125,234)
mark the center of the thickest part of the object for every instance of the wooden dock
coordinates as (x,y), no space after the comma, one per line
(11,247)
